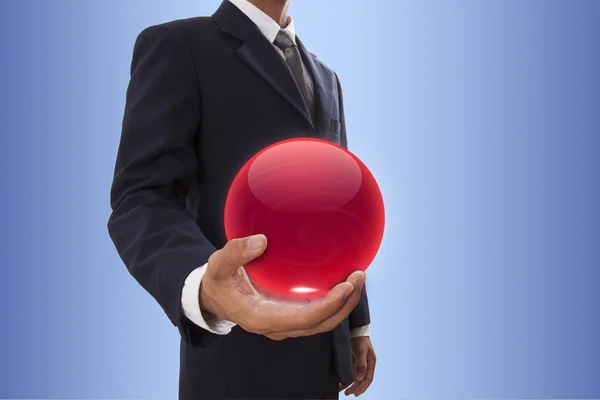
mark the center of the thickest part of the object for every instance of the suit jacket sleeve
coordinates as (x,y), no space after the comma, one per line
(360,315)
(155,235)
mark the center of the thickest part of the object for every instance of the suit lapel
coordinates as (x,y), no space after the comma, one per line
(323,86)
(263,59)
(260,55)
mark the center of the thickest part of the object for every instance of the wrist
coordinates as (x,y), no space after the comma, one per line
(206,303)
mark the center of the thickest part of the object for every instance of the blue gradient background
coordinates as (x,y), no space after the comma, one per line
(480,120)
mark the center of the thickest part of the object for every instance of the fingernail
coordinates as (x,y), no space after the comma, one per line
(255,242)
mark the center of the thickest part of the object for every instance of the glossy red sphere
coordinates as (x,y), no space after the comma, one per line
(320,209)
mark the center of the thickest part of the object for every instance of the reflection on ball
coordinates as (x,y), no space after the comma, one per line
(320,209)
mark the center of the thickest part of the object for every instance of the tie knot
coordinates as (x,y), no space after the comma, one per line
(284,40)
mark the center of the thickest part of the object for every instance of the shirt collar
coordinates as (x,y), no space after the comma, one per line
(265,24)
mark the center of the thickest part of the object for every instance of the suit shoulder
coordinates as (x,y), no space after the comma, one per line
(193,26)
(325,66)
(186,29)
(317,59)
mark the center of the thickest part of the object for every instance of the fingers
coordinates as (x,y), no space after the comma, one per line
(371,362)
(276,337)
(342,387)
(316,309)
(235,254)
(361,365)
(365,382)
(357,279)
(279,320)
(281,317)
(351,389)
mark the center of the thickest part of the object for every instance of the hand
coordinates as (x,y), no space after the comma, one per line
(227,293)
(363,358)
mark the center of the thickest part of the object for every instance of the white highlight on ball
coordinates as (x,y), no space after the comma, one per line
(304,290)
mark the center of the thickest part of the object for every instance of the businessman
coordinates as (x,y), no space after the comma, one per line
(205,95)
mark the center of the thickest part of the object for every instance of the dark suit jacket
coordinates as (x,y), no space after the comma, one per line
(205,95)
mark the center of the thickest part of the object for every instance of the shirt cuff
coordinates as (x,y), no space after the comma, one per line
(360,331)
(190,302)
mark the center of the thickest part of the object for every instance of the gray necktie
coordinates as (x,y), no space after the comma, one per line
(285,42)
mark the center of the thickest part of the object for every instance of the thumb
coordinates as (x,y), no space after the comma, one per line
(237,252)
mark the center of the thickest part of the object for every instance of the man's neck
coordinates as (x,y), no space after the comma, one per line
(276,9)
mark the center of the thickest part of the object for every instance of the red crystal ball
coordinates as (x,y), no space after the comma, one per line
(320,209)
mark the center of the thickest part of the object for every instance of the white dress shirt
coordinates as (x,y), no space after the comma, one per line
(191,289)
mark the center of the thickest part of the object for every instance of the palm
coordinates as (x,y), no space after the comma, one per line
(228,293)
(279,311)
